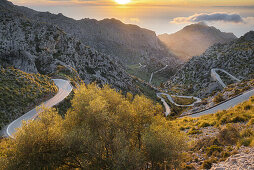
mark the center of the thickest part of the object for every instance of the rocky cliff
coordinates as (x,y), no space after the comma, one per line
(34,47)
(126,43)
(194,39)
(236,57)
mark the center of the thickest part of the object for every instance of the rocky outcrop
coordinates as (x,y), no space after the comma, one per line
(39,47)
(129,44)
(194,39)
(243,160)
(235,57)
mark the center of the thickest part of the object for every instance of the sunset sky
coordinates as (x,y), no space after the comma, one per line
(161,16)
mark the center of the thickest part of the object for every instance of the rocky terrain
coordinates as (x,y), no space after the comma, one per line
(243,160)
(219,137)
(235,57)
(194,39)
(220,96)
(129,44)
(37,47)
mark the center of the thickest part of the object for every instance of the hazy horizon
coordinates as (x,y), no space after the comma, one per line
(161,17)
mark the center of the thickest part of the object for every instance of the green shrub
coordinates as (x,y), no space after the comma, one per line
(251,121)
(247,133)
(210,150)
(237,119)
(245,141)
(20,91)
(102,130)
(184,127)
(223,120)
(204,124)
(193,131)
(229,135)
(185,166)
(219,98)
(207,164)
(247,107)
(225,154)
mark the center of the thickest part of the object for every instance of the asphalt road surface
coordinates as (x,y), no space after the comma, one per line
(167,107)
(228,104)
(224,106)
(64,89)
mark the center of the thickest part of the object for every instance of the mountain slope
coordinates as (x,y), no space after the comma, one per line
(126,43)
(38,47)
(20,91)
(194,39)
(236,57)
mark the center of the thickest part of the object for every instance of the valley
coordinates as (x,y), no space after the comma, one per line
(104,94)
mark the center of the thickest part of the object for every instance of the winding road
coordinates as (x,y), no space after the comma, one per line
(224,106)
(167,107)
(64,89)
(217,77)
(151,77)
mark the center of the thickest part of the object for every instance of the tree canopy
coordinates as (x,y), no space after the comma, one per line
(102,130)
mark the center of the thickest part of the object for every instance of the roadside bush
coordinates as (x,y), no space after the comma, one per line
(237,119)
(229,135)
(219,98)
(247,107)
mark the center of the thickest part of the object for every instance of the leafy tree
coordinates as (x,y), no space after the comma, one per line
(102,130)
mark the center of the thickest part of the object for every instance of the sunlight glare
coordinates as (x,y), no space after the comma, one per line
(122,2)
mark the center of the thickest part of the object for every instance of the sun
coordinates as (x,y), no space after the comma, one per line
(122,2)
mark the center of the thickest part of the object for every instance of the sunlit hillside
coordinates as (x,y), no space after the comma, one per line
(126,84)
(20,91)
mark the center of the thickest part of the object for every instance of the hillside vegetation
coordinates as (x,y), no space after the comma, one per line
(215,137)
(227,93)
(20,91)
(105,130)
(102,130)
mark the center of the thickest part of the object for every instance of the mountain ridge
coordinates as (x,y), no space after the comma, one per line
(236,57)
(194,39)
(37,47)
(127,43)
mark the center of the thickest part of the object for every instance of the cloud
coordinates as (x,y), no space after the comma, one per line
(249,20)
(206,17)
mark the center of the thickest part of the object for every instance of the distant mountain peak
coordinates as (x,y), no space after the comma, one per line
(194,39)
(202,23)
(249,36)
